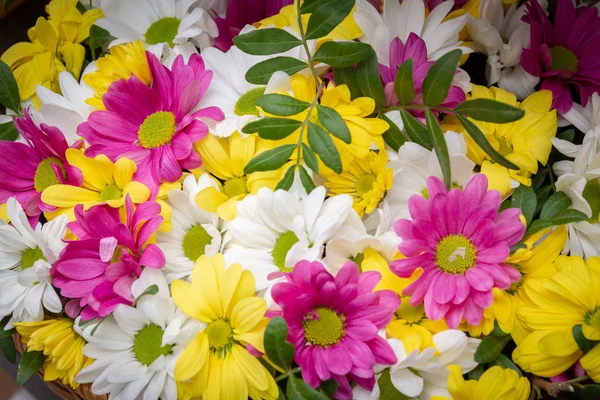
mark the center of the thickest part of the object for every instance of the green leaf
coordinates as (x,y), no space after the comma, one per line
(272,128)
(9,91)
(387,390)
(282,105)
(306,180)
(439,78)
(506,363)
(7,347)
(271,159)
(262,42)
(403,84)
(556,203)
(587,392)
(393,137)
(329,387)
(490,347)
(309,6)
(347,76)
(476,373)
(322,144)
(584,344)
(98,37)
(490,111)
(497,331)
(568,135)
(415,130)
(518,246)
(568,216)
(150,291)
(482,142)
(310,158)
(297,389)
(326,17)
(524,198)
(369,82)
(333,122)
(8,131)
(31,362)
(542,196)
(342,54)
(279,351)
(288,179)
(259,74)
(440,146)
(536,226)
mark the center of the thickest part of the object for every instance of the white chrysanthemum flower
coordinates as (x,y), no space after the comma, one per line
(412,165)
(423,375)
(26,256)
(503,37)
(586,119)
(181,25)
(274,230)
(580,181)
(195,232)
(135,349)
(400,20)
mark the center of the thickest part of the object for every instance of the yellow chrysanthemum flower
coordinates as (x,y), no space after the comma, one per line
(524,142)
(123,61)
(54,48)
(225,159)
(568,298)
(216,363)
(61,345)
(496,383)
(366,180)
(536,261)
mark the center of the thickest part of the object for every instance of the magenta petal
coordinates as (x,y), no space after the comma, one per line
(479,279)
(107,248)
(444,288)
(153,257)
(122,287)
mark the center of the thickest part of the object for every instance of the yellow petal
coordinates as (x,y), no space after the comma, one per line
(206,284)
(97,173)
(68,196)
(138,192)
(193,358)
(255,337)
(558,344)
(241,151)
(46,34)
(253,370)
(214,157)
(88,19)
(247,313)
(213,388)
(73,56)
(189,301)
(228,210)
(123,172)
(209,199)
(233,384)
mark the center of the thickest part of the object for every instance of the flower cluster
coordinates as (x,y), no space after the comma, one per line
(269,199)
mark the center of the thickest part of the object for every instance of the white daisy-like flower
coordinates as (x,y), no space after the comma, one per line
(580,181)
(586,119)
(135,349)
(181,25)
(274,230)
(412,165)
(503,37)
(400,20)
(26,256)
(423,375)
(195,232)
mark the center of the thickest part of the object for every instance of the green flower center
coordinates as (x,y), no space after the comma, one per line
(504,148)
(283,244)
(591,193)
(246,105)
(564,60)
(455,254)
(30,256)
(592,318)
(235,187)
(157,129)
(163,30)
(194,242)
(44,174)
(365,184)
(147,344)
(358,259)
(220,336)
(323,327)
(410,314)
(111,192)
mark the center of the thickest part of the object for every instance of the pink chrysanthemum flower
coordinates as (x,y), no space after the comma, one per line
(416,49)
(26,169)
(154,126)
(461,242)
(333,323)
(564,54)
(97,270)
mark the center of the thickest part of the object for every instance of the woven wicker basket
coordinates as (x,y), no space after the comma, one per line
(83,392)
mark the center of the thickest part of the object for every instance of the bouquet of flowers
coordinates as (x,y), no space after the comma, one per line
(304,199)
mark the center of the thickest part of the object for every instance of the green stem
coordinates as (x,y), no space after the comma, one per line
(418,107)
(287,374)
(551,176)
(304,125)
(305,44)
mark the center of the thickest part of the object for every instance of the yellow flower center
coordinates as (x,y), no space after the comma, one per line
(235,186)
(365,184)
(564,60)
(194,242)
(220,336)
(591,193)
(246,104)
(30,256)
(323,327)
(409,314)
(44,174)
(157,129)
(455,254)
(163,30)
(111,192)
(282,246)
(147,344)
